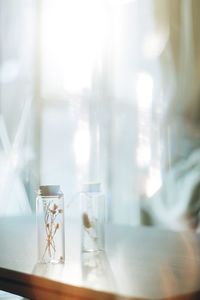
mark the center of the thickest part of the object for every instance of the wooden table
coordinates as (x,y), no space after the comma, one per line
(139,263)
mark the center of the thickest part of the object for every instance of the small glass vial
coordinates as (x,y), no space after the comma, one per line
(50,224)
(93,217)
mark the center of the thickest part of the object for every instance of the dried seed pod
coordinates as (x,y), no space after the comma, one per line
(86,221)
(55,206)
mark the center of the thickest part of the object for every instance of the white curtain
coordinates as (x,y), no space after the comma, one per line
(119,98)
(177,203)
(100,79)
(17,155)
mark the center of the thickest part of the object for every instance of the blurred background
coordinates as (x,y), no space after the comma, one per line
(102,90)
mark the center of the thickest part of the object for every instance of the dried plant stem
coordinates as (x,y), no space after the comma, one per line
(51,211)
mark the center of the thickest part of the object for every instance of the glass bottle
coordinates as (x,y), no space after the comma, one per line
(50,224)
(93,217)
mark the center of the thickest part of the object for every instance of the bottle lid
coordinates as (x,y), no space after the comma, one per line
(91,187)
(49,191)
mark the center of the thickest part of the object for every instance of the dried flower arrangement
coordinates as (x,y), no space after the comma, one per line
(51,212)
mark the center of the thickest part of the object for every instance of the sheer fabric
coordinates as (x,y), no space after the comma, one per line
(177,203)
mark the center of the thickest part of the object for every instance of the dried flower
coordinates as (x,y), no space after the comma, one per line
(51,225)
(55,206)
(90,230)
(86,221)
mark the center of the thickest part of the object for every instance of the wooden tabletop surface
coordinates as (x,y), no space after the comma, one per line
(139,263)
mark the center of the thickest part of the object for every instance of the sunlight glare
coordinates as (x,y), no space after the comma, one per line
(144,90)
(143,154)
(72,40)
(155,43)
(154,182)
(81,144)
(144,95)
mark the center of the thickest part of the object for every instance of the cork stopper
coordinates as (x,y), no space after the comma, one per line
(50,191)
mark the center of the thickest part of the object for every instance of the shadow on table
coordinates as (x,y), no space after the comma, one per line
(96,271)
(52,271)
(93,271)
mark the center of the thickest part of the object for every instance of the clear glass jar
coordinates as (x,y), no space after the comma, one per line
(93,217)
(50,224)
